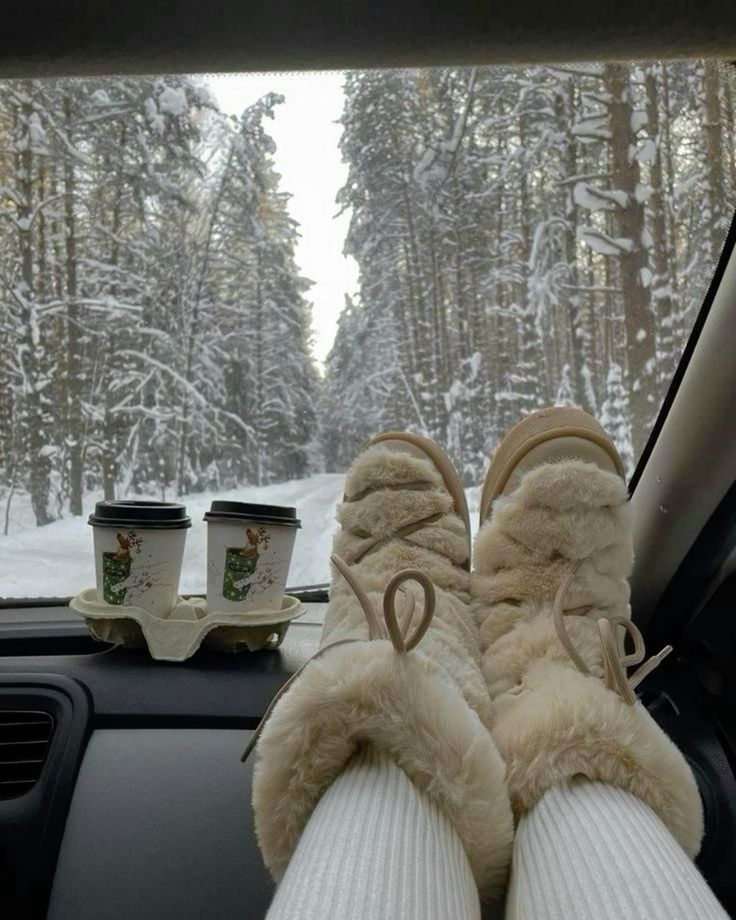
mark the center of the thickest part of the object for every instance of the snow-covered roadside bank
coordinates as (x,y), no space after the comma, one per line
(56,560)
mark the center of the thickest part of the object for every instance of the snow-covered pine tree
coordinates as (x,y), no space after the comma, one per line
(711,98)
(30,360)
(118,261)
(387,232)
(527,209)
(362,381)
(615,416)
(657,275)
(270,384)
(564,395)
(141,135)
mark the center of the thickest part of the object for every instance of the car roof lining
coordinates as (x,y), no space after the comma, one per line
(78,37)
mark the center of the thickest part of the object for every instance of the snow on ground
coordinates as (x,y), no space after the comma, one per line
(57,561)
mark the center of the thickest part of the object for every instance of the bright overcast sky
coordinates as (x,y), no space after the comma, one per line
(308,159)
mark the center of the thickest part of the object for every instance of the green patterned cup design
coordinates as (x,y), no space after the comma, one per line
(114,573)
(249,550)
(238,568)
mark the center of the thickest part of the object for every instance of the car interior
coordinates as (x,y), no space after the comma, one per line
(134,801)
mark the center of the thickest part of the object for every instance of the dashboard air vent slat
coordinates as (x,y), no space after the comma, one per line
(25,736)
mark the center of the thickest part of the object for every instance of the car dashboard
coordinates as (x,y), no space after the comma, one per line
(138,803)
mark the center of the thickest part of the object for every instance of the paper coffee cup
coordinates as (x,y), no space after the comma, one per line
(249,550)
(139,547)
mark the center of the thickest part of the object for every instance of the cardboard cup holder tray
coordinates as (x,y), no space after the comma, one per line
(179,635)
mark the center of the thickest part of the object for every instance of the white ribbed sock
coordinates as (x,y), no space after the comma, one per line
(377,847)
(590,851)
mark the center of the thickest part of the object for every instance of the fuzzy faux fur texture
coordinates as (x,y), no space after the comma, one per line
(429,709)
(380,466)
(433,549)
(405,706)
(564,513)
(383,513)
(451,641)
(561,724)
(550,722)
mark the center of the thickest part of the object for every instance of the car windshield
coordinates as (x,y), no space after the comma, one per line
(219,286)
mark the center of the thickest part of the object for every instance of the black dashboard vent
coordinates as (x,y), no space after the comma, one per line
(25,736)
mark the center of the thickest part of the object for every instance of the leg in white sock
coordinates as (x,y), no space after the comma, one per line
(375,846)
(590,850)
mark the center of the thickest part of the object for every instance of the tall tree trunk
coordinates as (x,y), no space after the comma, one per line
(109,452)
(42,287)
(582,336)
(441,336)
(730,132)
(533,369)
(500,419)
(659,282)
(419,323)
(73,357)
(192,336)
(629,227)
(713,161)
(666,160)
(261,448)
(31,347)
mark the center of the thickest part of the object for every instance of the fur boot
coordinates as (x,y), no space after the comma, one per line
(562,704)
(427,707)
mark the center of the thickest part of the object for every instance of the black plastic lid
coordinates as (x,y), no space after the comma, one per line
(139,513)
(241,511)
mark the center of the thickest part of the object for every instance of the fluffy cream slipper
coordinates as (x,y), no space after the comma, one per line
(551,596)
(404,543)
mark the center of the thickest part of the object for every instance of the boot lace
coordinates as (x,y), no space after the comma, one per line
(394,626)
(615,659)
